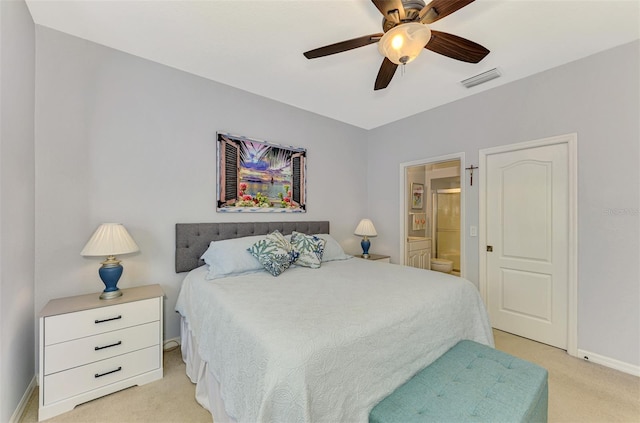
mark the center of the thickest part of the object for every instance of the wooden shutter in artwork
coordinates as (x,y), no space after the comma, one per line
(298,179)
(229,168)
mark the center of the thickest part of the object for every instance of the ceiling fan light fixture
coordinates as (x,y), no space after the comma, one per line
(403,43)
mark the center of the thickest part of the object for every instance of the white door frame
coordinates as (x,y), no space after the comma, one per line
(404,188)
(572,145)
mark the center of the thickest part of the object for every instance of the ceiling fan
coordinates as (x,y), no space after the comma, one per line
(406,33)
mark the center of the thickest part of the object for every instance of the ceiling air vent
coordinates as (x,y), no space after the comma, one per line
(481,78)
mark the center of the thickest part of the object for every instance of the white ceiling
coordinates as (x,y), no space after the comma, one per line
(257,46)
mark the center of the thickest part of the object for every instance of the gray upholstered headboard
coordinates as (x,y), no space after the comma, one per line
(193,239)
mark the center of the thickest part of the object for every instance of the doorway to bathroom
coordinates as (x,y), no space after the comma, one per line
(445,230)
(432,214)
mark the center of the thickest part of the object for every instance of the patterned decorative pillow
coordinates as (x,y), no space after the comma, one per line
(310,249)
(274,253)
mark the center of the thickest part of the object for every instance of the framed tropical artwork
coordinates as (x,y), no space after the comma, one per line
(417,196)
(259,176)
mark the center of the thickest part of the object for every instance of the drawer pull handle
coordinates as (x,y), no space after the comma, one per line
(108,320)
(97,375)
(108,346)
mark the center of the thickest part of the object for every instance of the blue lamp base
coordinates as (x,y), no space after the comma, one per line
(110,273)
(365,244)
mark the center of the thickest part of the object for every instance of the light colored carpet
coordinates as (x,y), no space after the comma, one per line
(579,391)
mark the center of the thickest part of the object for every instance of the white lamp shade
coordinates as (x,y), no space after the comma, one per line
(110,239)
(366,228)
(403,43)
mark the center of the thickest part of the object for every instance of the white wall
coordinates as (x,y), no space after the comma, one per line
(123,139)
(597,97)
(17,188)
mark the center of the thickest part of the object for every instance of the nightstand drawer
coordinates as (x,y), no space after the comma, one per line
(99,347)
(62,385)
(66,327)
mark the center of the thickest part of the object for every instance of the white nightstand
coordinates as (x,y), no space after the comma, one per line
(91,347)
(375,257)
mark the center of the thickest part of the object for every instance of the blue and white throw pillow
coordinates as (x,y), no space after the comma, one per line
(274,253)
(310,249)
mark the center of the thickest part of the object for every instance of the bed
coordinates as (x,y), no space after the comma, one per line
(319,344)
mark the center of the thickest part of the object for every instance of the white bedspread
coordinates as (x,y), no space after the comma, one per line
(326,345)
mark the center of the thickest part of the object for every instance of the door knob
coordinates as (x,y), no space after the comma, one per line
(489,248)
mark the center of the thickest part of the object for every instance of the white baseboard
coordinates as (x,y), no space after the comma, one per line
(609,362)
(22,405)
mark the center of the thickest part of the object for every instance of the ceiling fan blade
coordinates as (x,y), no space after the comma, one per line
(343,46)
(456,47)
(385,74)
(388,8)
(438,9)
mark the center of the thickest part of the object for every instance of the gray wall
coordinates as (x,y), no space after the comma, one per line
(123,139)
(17,187)
(597,97)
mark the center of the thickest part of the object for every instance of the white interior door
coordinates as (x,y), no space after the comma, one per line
(527,218)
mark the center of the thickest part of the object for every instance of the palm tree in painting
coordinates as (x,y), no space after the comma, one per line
(267,160)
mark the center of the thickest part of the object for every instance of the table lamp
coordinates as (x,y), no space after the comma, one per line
(108,240)
(365,229)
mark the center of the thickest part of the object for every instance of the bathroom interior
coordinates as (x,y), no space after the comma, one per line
(433,223)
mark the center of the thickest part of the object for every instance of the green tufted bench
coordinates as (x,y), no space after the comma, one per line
(469,383)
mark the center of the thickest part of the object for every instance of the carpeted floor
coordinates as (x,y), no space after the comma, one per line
(579,391)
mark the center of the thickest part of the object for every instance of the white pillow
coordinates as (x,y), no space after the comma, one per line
(230,257)
(332,250)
